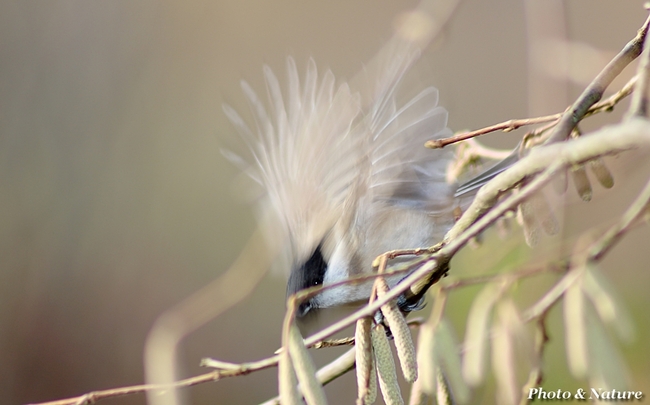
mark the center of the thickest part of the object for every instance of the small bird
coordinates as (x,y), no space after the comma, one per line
(345,173)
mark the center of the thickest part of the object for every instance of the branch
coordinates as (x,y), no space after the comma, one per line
(511,125)
(549,160)
(595,252)
(560,266)
(614,234)
(544,162)
(198,309)
(597,87)
(535,377)
(216,375)
(639,104)
(328,373)
(506,126)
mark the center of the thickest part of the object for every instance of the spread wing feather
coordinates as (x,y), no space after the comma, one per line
(316,149)
(303,151)
(403,172)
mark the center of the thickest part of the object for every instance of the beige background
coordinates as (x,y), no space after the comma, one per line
(115,202)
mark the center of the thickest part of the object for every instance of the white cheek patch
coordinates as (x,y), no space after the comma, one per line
(338,269)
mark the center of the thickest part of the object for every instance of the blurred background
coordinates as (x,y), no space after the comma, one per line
(115,202)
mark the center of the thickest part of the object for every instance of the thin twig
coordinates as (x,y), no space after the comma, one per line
(216,375)
(535,377)
(606,141)
(198,309)
(615,233)
(349,341)
(596,88)
(610,102)
(346,341)
(595,252)
(639,104)
(427,265)
(580,152)
(513,124)
(328,373)
(560,266)
(631,134)
(553,158)
(552,296)
(476,149)
(506,126)
(547,160)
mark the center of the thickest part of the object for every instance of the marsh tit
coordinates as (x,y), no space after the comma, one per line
(345,174)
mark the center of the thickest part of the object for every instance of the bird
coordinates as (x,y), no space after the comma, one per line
(344,172)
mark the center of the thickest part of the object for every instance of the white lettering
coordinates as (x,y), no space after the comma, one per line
(613,394)
(595,393)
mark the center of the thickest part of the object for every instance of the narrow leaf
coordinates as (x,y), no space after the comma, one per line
(427,360)
(476,336)
(448,354)
(305,369)
(385,367)
(575,329)
(608,308)
(288,384)
(526,215)
(602,173)
(503,355)
(582,183)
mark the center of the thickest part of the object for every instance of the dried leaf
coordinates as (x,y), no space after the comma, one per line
(385,367)
(561,183)
(305,369)
(602,173)
(526,216)
(545,214)
(582,183)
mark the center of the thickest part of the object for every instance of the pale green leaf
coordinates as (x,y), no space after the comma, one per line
(476,336)
(575,329)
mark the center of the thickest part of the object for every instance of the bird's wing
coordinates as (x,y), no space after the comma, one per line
(304,151)
(323,154)
(401,170)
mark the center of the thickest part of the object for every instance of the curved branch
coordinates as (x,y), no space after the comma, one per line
(549,159)
(596,88)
